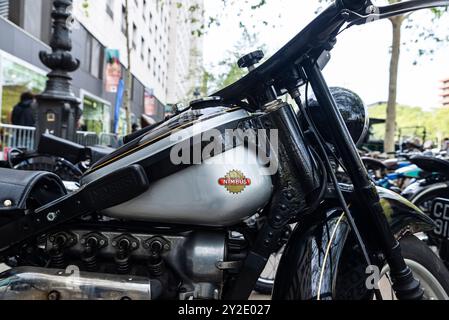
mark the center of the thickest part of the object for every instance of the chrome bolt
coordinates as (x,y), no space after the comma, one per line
(54,295)
(51,216)
(7,203)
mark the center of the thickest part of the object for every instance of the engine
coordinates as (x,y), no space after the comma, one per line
(120,265)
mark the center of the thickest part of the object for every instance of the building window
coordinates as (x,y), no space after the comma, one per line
(149,58)
(96,64)
(96,116)
(142,48)
(123,19)
(110,8)
(134,37)
(4,8)
(87,54)
(16,79)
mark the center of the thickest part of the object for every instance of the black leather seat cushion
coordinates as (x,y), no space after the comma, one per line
(24,191)
(431,164)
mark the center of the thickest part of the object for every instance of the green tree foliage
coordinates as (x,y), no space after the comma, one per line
(436,122)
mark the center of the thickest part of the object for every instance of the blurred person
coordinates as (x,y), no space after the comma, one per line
(445,145)
(23,113)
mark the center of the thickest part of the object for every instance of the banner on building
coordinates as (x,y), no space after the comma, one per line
(118,104)
(113,71)
(150,104)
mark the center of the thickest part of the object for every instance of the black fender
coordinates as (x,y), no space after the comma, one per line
(419,190)
(322,260)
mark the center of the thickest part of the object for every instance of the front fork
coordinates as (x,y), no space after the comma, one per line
(405,285)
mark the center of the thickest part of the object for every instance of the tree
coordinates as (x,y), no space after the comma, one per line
(390,126)
(397,23)
(229,72)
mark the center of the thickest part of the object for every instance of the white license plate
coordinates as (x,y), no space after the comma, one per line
(440,214)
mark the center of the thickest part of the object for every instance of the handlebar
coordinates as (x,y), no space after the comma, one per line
(355,5)
(312,40)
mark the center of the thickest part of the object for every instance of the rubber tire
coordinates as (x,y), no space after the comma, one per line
(417,250)
(412,249)
(264,288)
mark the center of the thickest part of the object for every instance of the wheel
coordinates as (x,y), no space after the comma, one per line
(426,266)
(266,281)
(65,170)
(425,204)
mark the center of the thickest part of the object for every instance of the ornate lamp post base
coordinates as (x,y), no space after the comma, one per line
(58,107)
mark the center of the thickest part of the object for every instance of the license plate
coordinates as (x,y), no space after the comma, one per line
(440,214)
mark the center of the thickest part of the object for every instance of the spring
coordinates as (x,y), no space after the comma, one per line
(122,261)
(90,260)
(156,268)
(57,259)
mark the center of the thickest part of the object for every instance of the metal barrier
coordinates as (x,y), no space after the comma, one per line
(109,140)
(12,136)
(17,137)
(86,138)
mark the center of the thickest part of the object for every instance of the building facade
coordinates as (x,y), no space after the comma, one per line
(100,26)
(185,51)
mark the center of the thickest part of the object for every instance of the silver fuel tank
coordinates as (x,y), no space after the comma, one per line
(220,191)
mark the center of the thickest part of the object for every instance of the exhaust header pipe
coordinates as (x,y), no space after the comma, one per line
(29,283)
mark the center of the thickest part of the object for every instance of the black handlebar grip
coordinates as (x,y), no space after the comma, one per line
(355,5)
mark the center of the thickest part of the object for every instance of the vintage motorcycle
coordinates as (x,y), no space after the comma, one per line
(152,221)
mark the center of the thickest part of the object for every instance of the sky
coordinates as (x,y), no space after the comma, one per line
(360,61)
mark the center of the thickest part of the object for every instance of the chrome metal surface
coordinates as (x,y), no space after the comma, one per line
(194,256)
(193,196)
(29,283)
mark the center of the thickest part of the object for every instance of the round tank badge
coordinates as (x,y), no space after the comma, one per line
(235,181)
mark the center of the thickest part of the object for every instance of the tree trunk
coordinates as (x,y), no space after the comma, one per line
(128,74)
(390,132)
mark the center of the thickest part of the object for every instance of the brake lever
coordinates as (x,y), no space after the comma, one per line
(354,18)
(374,13)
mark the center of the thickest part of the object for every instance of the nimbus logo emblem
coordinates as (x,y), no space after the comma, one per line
(235,182)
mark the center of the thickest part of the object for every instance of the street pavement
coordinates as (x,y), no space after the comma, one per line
(3,268)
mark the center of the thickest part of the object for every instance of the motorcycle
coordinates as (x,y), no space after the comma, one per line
(429,194)
(152,221)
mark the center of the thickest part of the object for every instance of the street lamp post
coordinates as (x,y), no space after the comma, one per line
(58,107)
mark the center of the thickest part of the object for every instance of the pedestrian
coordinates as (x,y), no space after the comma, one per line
(23,113)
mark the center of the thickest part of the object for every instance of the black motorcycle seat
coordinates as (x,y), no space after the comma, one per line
(99,152)
(431,164)
(21,191)
(55,146)
(375,164)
